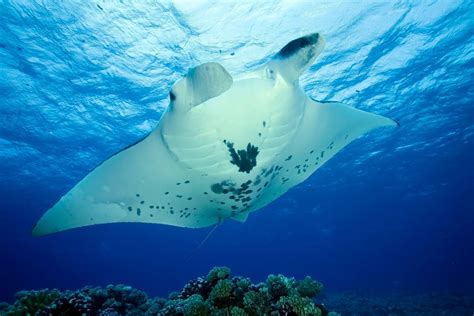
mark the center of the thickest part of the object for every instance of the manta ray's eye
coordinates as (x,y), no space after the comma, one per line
(172,96)
(270,73)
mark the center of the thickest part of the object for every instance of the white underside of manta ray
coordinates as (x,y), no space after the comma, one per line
(223,149)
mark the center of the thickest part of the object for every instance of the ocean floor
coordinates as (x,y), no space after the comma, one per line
(435,304)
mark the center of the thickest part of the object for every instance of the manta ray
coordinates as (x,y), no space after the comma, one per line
(224,148)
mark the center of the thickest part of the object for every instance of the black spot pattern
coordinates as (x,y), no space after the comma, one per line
(306,162)
(240,194)
(234,197)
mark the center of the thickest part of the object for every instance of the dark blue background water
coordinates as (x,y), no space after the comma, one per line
(394,211)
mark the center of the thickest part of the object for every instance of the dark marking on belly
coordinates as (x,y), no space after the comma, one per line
(222,187)
(268,172)
(245,159)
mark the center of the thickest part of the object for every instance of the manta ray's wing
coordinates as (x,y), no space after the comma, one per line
(325,129)
(145,182)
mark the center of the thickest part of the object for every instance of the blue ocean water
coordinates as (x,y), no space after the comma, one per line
(392,212)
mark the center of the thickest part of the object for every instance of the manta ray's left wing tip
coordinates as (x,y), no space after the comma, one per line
(36,231)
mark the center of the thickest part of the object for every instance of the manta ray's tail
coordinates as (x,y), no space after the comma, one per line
(192,253)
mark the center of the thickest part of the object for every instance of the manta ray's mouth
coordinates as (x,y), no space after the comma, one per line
(299,43)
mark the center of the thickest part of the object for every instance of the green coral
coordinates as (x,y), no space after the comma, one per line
(4,307)
(243,283)
(191,306)
(29,302)
(195,306)
(155,305)
(173,295)
(299,306)
(309,287)
(278,286)
(220,294)
(218,273)
(228,311)
(257,302)
(237,311)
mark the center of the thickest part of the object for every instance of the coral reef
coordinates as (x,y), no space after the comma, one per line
(214,295)
(28,302)
(112,300)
